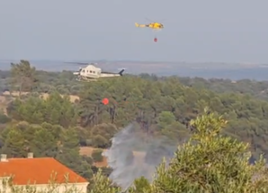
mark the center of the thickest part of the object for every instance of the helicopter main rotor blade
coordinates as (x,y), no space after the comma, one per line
(121,68)
(79,63)
(159,21)
(149,20)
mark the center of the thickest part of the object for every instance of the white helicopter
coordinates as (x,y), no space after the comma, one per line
(92,73)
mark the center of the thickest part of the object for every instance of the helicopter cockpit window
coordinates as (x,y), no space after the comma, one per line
(90,71)
(83,71)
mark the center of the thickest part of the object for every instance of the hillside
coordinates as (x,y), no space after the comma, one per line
(157,107)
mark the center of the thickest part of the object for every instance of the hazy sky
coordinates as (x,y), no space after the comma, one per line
(200,30)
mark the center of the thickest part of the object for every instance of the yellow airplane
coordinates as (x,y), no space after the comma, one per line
(153,25)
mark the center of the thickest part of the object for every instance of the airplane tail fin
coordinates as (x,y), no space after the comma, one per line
(121,72)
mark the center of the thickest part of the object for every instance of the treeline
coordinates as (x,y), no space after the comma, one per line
(65,83)
(257,89)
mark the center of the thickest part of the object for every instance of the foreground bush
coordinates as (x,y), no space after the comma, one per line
(209,162)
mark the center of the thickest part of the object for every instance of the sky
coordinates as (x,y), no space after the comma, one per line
(195,31)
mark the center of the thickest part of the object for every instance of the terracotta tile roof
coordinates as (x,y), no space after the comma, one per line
(38,171)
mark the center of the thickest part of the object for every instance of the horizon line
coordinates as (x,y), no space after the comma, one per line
(128,60)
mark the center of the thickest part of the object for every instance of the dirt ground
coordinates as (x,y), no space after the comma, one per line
(88,152)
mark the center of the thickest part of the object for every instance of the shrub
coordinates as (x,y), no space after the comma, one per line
(4,119)
(97,155)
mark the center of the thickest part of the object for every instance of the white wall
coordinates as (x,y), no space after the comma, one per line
(58,188)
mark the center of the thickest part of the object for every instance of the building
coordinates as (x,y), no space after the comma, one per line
(40,174)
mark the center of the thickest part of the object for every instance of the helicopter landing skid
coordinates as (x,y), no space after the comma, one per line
(80,79)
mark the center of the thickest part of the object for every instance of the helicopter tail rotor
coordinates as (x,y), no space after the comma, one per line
(121,71)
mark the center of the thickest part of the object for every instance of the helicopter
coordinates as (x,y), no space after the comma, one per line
(91,73)
(155,26)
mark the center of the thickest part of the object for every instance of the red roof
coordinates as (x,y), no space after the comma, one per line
(38,171)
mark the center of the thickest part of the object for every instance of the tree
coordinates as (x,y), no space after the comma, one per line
(69,154)
(166,118)
(59,110)
(23,76)
(44,143)
(209,162)
(141,185)
(14,144)
(97,155)
(55,110)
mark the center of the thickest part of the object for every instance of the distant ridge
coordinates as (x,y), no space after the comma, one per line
(233,71)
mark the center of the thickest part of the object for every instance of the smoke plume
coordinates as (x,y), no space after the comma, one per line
(148,154)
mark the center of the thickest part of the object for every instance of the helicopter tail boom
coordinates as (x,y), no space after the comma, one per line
(140,25)
(112,74)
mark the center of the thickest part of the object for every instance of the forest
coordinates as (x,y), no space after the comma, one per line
(58,126)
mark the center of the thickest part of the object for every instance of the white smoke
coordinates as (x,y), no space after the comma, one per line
(126,169)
